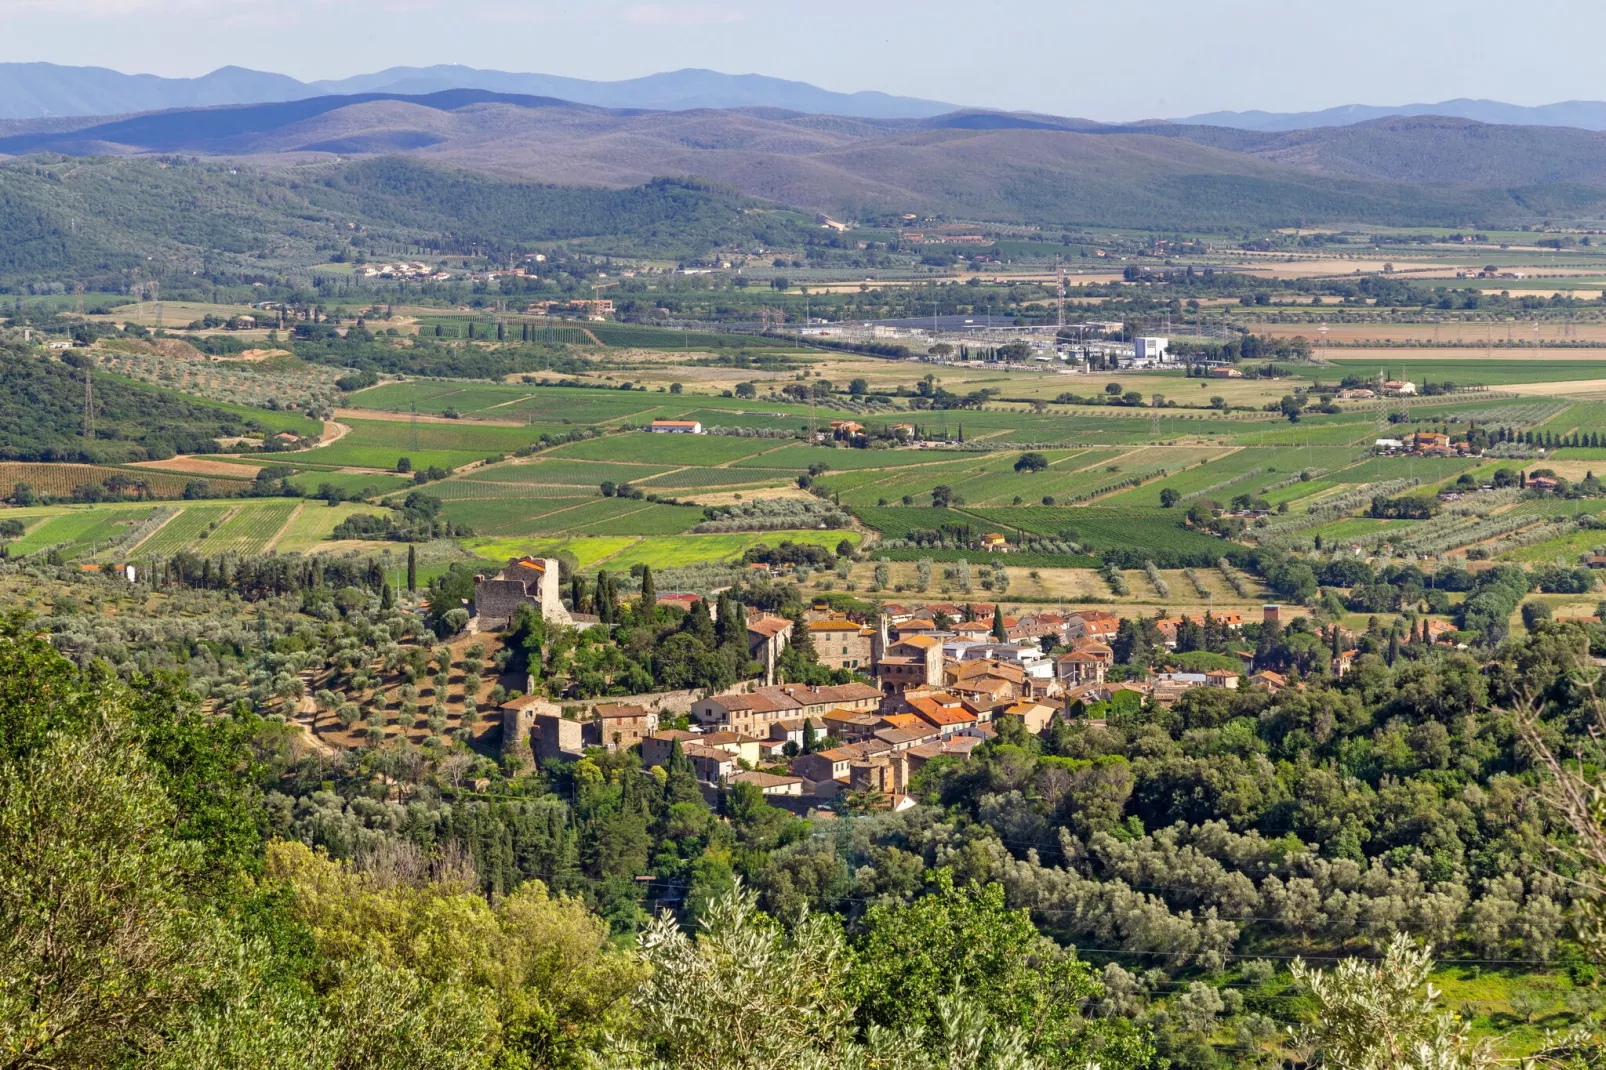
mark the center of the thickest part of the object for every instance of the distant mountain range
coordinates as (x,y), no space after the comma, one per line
(46,90)
(1583,114)
(967,163)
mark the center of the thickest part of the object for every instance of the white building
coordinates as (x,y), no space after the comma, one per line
(1150,350)
(1029,656)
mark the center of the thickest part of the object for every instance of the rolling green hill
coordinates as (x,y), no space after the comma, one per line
(41,416)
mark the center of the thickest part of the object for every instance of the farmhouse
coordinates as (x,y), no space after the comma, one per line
(676,427)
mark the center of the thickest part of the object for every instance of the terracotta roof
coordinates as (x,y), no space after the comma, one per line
(922,642)
(674,423)
(769,627)
(694,751)
(943,716)
(763,780)
(621,711)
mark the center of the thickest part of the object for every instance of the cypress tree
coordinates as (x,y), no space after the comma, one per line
(998,624)
(649,595)
(412,567)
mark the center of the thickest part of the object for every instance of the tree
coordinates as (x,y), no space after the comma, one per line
(1533,613)
(998,624)
(1113,389)
(942,496)
(811,739)
(858,387)
(649,595)
(1291,406)
(1169,496)
(749,994)
(412,567)
(540,960)
(966,939)
(744,993)
(1031,462)
(1378,1015)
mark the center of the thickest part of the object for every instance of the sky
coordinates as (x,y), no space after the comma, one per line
(1099,60)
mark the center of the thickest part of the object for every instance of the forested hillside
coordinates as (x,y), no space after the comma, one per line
(103,216)
(42,416)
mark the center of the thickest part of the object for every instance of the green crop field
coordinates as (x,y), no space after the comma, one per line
(666,449)
(686,478)
(656,551)
(1508,367)
(80,531)
(247,529)
(576,473)
(311,527)
(178,533)
(839,459)
(350,482)
(463,489)
(1106,529)
(599,516)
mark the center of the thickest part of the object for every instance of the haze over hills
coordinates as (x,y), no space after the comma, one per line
(1584,114)
(47,90)
(972,164)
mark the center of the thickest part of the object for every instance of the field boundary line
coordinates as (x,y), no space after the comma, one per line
(509,401)
(273,543)
(543,516)
(174,515)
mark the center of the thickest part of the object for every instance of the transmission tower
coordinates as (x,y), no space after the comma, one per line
(89,401)
(1382,406)
(78,290)
(156,299)
(1060,270)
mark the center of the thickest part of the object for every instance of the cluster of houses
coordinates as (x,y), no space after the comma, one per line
(1425,444)
(1391,388)
(943,682)
(406,270)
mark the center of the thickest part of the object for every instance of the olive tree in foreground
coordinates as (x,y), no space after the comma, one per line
(746,993)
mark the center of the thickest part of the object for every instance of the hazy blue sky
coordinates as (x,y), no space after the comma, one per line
(1102,60)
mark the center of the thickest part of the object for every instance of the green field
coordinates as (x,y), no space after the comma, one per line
(247,529)
(1508,367)
(575,473)
(379,443)
(311,527)
(81,531)
(648,448)
(596,516)
(665,551)
(685,478)
(178,533)
(350,482)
